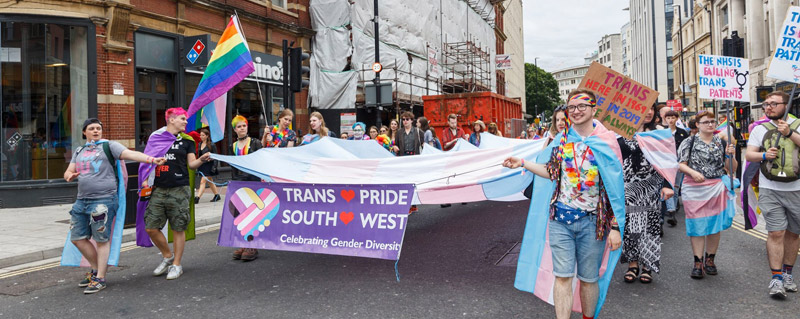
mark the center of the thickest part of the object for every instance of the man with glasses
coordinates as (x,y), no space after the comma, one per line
(588,175)
(409,140)
(779,196)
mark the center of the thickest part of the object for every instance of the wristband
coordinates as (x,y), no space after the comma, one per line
(523,163)
(764,156)
(790,134)
(615,228)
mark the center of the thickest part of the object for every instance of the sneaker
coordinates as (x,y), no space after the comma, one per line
(174,272)
(96,285)
(87,280)
(776,289)
(788,283)
(237,254)
(162,267)
(249,254)
(216,198)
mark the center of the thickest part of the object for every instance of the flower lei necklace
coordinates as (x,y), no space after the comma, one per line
(277,137)
(574,173)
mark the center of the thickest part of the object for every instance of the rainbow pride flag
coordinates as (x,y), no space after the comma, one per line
(229,64)
(211,116)
(722,126)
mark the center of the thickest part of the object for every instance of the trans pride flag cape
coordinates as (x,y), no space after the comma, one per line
(157,146)
(535,266)
(658,147)
(709,206)
(71,256)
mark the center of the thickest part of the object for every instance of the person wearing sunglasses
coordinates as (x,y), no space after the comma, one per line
(704,160)
(409,139)
(778,187)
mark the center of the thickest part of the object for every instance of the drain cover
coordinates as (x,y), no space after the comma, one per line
(509,259)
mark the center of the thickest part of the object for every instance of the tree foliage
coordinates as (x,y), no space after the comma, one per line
(541,91)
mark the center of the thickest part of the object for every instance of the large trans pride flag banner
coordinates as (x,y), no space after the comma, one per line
(350,220)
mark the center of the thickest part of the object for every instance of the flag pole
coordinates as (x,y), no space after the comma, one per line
(730,140)
(258,85)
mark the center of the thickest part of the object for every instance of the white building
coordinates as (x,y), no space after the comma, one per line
(625,43)
(651,44)
(515,46)
(609,50)
(569,78)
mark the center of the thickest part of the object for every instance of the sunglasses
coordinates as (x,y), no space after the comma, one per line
(406,119)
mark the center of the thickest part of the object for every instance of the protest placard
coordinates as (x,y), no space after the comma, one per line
(621,102)
(785,63)
(723,78)
(350,220)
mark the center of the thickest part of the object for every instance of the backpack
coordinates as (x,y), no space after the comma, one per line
(785,167)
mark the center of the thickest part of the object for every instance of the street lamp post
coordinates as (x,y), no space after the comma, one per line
(535,79)
(680,36)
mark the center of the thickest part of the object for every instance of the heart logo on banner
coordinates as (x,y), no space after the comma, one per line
(346,217)
(348,195)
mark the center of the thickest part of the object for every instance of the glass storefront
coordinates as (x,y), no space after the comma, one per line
(45,95)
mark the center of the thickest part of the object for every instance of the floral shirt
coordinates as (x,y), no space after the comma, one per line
(708,159)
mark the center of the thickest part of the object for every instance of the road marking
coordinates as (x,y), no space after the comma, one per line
(125,247)
(752,232)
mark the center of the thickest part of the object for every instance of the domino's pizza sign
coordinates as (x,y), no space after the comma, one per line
(196,50)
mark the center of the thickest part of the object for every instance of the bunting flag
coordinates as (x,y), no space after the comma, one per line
(211,116)
(157,146)
(658,148)
(535,266)
(709,206)
(229,64)
(71,256)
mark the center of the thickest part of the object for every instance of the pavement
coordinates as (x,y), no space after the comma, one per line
(38,233)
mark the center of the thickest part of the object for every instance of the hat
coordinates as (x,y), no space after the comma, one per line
(479,122)
(88,122)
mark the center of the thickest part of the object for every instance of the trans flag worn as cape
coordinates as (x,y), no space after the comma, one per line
(157,146)
(658,147)
(535,266)
(71,256)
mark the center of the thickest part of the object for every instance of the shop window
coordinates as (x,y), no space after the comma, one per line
(44,99)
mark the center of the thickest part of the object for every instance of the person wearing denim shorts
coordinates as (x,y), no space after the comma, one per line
(94,211)
(779,201)
(171,194)
(581,215)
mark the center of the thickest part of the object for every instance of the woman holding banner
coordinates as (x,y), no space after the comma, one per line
(644,186)
(704,158)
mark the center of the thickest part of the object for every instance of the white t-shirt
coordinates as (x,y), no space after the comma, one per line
(756,138)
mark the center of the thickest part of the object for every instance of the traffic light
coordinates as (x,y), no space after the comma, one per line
(296,69)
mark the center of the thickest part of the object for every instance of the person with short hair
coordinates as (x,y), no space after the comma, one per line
(359,132)
(243,145)
(671,118)
(409,138)
(95,210)
(582,215)
(704,160)
(779,188)
(171,194)
(452,133)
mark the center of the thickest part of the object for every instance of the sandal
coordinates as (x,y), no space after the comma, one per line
(646,276)
(631,274)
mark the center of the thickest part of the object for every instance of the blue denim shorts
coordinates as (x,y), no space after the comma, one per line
(577,243)
(93,218)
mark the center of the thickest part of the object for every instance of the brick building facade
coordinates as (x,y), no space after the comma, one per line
(125,62)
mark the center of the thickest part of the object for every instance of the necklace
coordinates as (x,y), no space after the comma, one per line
(574,172)
(278,136)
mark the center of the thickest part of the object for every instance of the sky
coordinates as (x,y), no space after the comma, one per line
(561,32)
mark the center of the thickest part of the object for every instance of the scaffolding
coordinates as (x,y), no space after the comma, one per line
(407,87)
(467,67)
